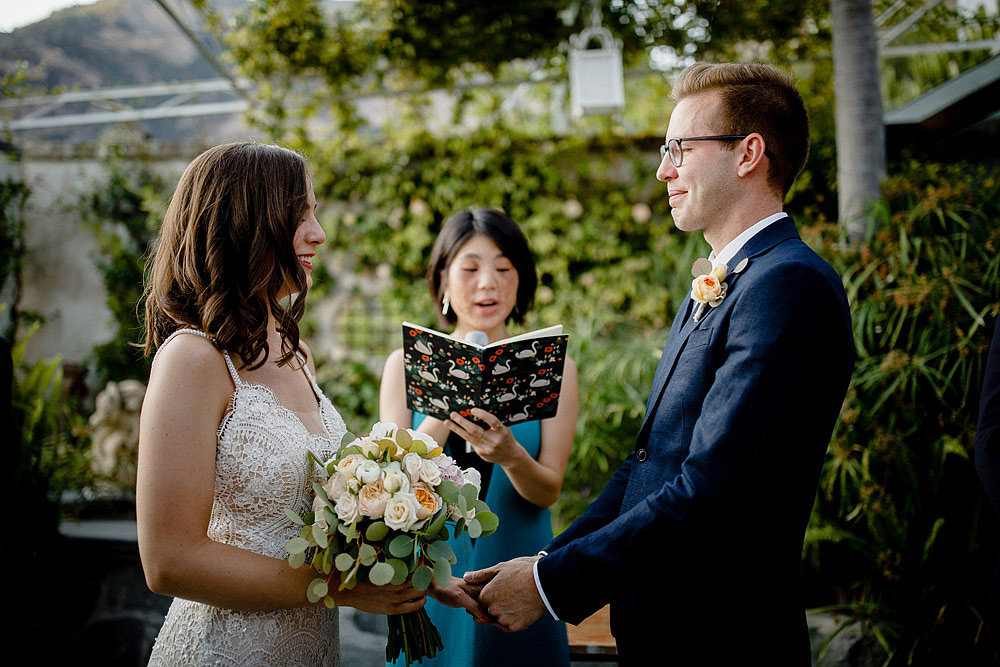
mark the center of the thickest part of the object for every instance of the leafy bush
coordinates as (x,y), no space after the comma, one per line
(901,537)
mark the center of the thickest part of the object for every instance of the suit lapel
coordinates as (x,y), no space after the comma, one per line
(770,236)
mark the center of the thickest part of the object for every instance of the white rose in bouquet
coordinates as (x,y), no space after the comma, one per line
(368,471)
(473,477)
(430,473)
(383,430)
(401,512)
(370,448)
(412,464)
(347,508)
(395,479)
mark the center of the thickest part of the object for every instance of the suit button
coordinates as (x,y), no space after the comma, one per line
(641,455)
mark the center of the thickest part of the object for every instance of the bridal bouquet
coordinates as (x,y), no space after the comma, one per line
(384,516)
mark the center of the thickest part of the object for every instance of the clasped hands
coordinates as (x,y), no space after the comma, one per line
(503,595)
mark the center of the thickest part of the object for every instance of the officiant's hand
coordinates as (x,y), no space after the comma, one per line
(463,595)
(509,593)
(494,442)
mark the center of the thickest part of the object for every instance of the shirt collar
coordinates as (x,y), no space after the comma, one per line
(736,244)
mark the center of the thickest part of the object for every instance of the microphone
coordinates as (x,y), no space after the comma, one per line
(481,339)
(477,338)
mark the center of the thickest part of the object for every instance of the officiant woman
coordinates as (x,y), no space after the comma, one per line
(482,277)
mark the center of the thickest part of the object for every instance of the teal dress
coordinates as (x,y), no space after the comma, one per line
(523,530)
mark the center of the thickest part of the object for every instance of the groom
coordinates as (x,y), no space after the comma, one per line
(696,541)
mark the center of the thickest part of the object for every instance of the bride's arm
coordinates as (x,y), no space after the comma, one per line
(392,401)
(188,392)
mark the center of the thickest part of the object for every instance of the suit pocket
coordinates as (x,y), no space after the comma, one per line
(698,338)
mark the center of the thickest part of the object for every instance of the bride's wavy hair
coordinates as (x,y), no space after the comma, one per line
(225,252)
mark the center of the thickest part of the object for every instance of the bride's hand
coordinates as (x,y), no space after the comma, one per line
(387,599)
(494,443)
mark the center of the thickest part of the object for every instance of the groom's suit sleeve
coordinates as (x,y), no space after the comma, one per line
(769,335)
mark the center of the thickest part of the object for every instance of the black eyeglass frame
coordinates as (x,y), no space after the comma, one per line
(667,148)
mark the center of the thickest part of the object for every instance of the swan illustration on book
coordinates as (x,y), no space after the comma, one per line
(500,369)
(538,382)
(460,374)
(423,348)
(520,416)
(439,403)
(509,396)
(430,377)
(524,354)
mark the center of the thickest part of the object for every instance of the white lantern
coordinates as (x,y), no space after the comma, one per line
(596,83)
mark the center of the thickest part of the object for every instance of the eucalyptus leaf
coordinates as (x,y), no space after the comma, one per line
(381,574)
(470,493)
(295,518)
(440,550)
(344,562)
(448,492)
(400,571)
(488,521)
(320,536)
(297,560)
(327,563)
(474,528)
(403,439)
(366,554)
(296,545)
(462,503)
(422,578)
(318,588)
(320,491)
(401,546)
(377,531)
(442,573)
(329,602)
(437,522)
(459,527)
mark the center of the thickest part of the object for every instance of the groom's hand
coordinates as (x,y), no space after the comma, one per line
(509,593)
(461,594)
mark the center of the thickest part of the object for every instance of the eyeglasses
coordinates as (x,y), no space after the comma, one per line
(676,153)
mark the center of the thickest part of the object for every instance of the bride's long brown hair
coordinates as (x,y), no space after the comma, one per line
(225,252)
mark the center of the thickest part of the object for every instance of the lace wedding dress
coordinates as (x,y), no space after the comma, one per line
(261,468)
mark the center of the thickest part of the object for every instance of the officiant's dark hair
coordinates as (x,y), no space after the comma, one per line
(508,237)
(225,252)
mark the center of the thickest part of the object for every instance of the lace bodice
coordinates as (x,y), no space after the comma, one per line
(261,468)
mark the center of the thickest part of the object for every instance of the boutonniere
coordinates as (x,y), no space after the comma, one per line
(709,285)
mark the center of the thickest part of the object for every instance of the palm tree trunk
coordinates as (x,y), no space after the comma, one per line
(860,132)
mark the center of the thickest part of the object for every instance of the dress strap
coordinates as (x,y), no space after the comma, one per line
(199,332)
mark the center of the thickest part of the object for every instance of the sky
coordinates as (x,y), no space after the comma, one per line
(17,13)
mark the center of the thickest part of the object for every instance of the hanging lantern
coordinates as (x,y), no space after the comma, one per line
(596,83)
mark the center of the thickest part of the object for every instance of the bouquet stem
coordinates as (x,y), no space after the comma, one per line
(414,635)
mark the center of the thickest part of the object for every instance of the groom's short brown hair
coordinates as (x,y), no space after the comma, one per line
(756,98)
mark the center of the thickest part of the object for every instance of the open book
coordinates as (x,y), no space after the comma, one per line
(517,379)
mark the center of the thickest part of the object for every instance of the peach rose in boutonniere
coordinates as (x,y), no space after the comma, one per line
(709,287)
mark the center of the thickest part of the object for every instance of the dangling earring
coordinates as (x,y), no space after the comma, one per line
(444,304)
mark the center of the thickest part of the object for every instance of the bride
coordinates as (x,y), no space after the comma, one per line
(231,410)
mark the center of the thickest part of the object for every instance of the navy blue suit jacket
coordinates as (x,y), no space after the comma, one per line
(696,542)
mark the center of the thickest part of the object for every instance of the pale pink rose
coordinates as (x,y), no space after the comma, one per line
(428,502)
(349,464)
(347,508)
(372,499)
(401,512)
(430,473)
(335,486)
